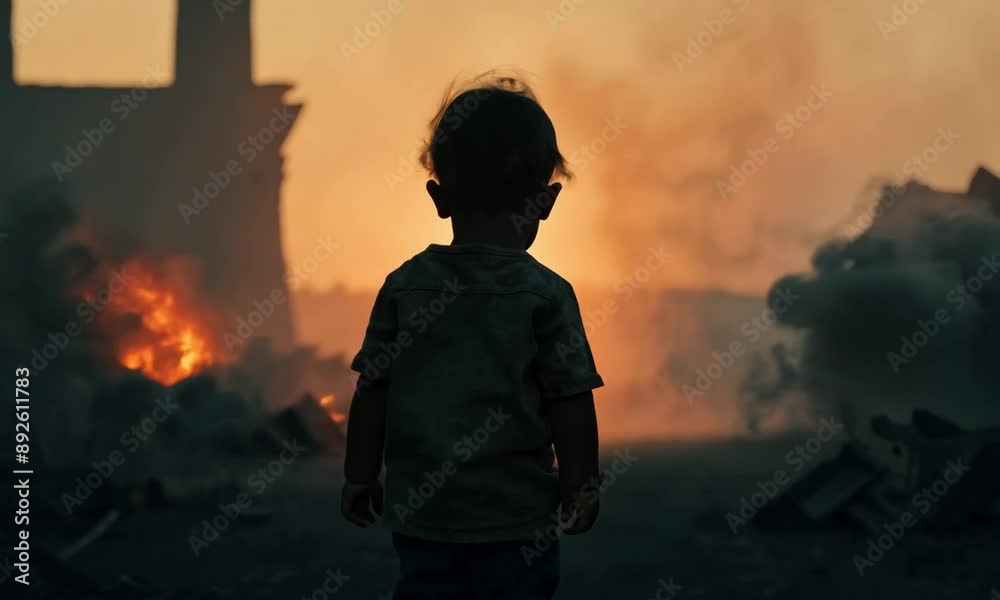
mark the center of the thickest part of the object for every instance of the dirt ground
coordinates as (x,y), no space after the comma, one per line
(664,518)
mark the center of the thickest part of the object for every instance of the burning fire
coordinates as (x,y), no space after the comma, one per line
(326,402)
(174,340)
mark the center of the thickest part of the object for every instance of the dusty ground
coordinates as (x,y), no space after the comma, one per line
(663,518)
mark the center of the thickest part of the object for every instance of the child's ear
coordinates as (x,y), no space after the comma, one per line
(552,191)
(437,194)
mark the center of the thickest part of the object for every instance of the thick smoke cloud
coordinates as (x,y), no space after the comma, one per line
(905,316)
(40,273)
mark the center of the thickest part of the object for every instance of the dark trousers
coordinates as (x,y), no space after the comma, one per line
(468,571)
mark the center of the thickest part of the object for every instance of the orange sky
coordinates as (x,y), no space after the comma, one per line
(656,184)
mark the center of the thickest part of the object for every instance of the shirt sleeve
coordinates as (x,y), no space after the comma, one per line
(372,361)
(565,364)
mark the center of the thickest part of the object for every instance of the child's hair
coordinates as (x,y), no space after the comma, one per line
(493,143)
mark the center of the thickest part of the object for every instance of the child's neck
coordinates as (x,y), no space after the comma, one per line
(493,230)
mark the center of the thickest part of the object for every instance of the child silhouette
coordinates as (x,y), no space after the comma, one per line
(475,373)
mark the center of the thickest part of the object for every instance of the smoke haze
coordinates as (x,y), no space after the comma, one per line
(697,91)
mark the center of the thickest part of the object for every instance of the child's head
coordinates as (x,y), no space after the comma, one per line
(491,149)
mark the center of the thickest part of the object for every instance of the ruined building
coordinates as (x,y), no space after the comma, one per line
(129,158)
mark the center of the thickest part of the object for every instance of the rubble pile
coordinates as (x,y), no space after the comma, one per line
(942,475)
(305,421)
(81,504)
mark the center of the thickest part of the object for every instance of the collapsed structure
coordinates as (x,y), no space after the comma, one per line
(942,476)
(897,322)
(184,163)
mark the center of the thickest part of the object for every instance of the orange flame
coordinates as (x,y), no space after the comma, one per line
(337,417)
(174,342)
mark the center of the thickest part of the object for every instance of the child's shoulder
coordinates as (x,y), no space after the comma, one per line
(550,276)
(554,284)
(415,271)
(520,270)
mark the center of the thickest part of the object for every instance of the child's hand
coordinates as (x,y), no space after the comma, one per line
(358,502)
(579,512)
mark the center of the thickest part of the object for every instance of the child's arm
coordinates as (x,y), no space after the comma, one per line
(362,492)
(574,435)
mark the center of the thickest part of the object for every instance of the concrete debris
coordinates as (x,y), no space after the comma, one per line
(306,422)
(172,490)
(943,476)
(98,530)
(986,185)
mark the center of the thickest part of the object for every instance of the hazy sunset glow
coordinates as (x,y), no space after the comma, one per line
(364,117)
(763,338)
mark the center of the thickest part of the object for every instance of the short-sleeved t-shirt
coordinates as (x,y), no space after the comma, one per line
(473,340)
